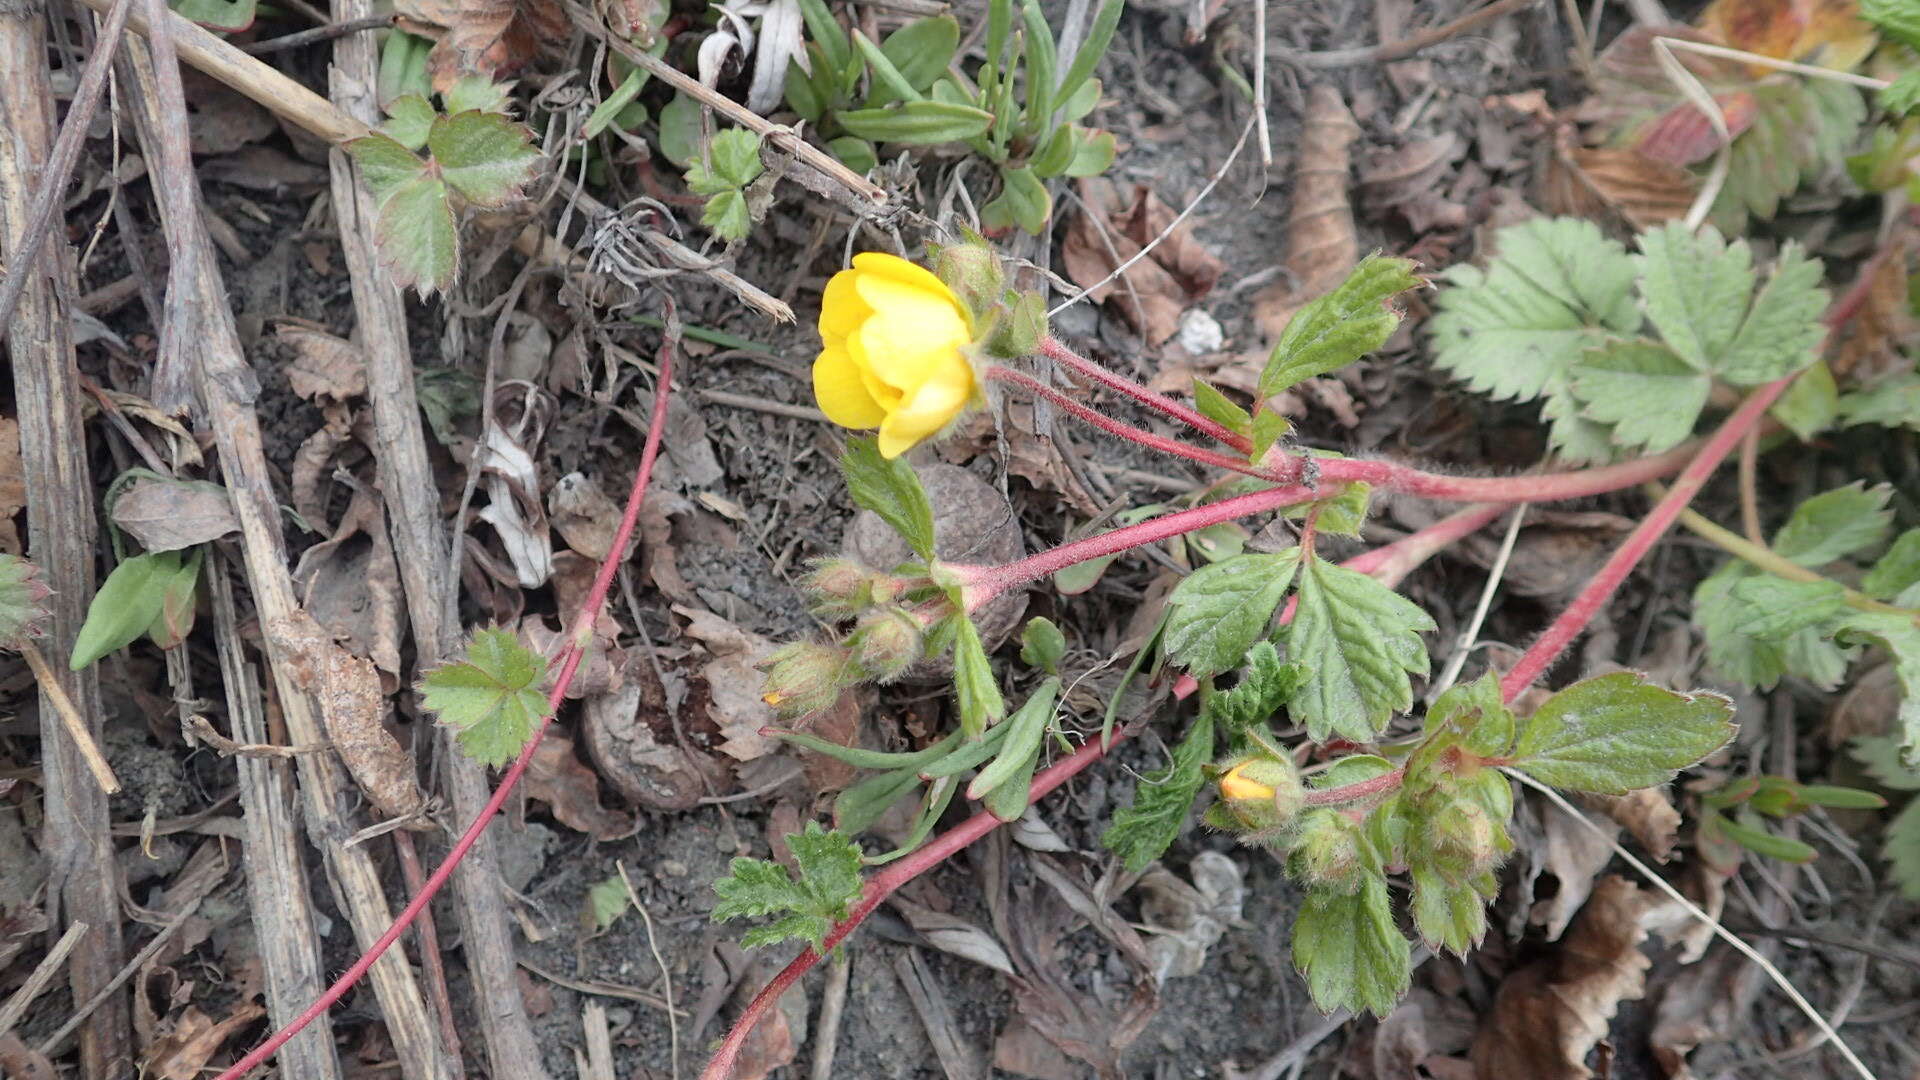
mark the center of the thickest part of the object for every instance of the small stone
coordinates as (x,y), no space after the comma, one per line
(1199,333)
(672,868)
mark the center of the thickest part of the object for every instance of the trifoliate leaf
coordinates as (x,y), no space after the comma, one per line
(1143,831)
(1338,328)
(1782,331)
(891,489)
(408,118)
(1696,287)
(1892,402)
(1265,686)
(736,156)
(1217,612)
(606,902)
(416,237)
(125,605)
(385,163)
(1618,733)
(484,156)
(1359,641)
(1897,634)
(492,696)
(1350,949)
(1897,571)
(1643,390)
(827,884)
(1835,524)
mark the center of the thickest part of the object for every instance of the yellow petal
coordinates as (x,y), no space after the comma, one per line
(892,266)
(1236,785)
(909,335)
(933,406)
(841,308)
(842,392)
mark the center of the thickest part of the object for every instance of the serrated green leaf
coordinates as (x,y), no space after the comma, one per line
(492,696)
(1782,332)
(919,123)
(1142,832)
(735,156)
(1359,641)
(1881,754)
(1900,637)
(124,606)
(1696,288)
(1264,688)
(1897,571)
(1616,733)
(1217,612)
(409,116)
(403,66)
(1835,524)
(1447,916)
(1892,402)
(416,237)
(474,93)
(890,488)
(1645,393)
(1900,846)
(726,215)
(484,156)
(921,50)
(1350,950)
(1336,329)
(1899,97)
(827,883)
(1739,655)
(974,687)
(1042,644)
(1898,19)
(385,163)
(1478,710)
(606,902)
(1811,405)
(1777,608)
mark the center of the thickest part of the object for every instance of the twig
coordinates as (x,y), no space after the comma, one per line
(317,34)
(59,166)
(1260,82)
(1463,645)
(70,719)
(833,1005)
(1405,47)
(1750,487)
(51,1044)
(1719,931)
(603,989)
(777,408)
(1865,82)
(666,975)
(43,973)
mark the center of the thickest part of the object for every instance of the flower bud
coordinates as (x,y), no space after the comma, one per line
(1327,851)
(973,272)
(1460,841)
(1019,322)
(1261,793)
(806,676)
(886,643)
(841,588)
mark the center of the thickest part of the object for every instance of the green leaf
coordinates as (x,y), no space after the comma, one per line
(1616,733)
(1447,916)
(974,687)
(824,30)
(922,49)
(484,156)
(1696,287)
(680,130)
(1835,524)
(1021,744)
(1350,950)
(416,238)
(858,807)
(225,16)
(1091,52)
(492,696)
(1042,644)
(1093,153)
(1477,709)
(1900,97)
(1042,58)
(1881,755)
(1218,408)
(735,154)
(409,117)
(1640,388)
(174,621)
(1901,637)
(1359,641)
(613,108)
(802,94)
(827,884)
(1892,402)
(1777,608)
(1338,328)
(385,163)
(726,215)
(1897,571)
(1144,830)
(1023,201)
(1898,19)
(403,66)
(855,154)
(1055,154)
(1749,833)
(917,123)
(606,902)
(889,84)
(1219,611)
(891,489)
(1900,846)
(124,606)
(1811,405)
(474,92)
(1264,688)
(1081,102)
(1782,332)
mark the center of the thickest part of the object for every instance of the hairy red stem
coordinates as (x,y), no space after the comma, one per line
(880,886)
(569,663)
(1391,563)
(1052,349)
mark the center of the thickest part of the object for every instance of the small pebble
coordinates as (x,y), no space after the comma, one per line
(1199,333)
(673,868)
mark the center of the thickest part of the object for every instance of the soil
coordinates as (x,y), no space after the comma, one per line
(756,495)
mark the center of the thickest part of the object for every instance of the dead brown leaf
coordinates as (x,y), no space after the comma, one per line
(1154,291)
(599,670)
(1648,814)
(1683,135)
(1023,1051)
(734,682)
(557,777)
(167,515)
(1411,178)
(1321,242)
(191,1038)
(1597,182)
(21,1062)
(350,584)
(1873,342)
(221,120)
(490,38)
(1424,1025)
(629,734)
(320,364)
(839,723)
(1571,854)
(353,710)
(313,467)
(1548,1015)
(585,518)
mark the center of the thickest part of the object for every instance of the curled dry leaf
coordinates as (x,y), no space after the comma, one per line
(490,38)
(1184,920)
(1422,1027)
(1599,182)
(167,515)
(511,478)
(320,364)
(1571,854)
(353,710)
(350,584)
(599,670)
(1873,343)
(629,734)
(583,515)
(1154,291)
(1411,178)
(733,682)
(22,1062)
(1548,1015)
(1647,814)
(954,935)
(313,467)
(557,777)
(191,1038)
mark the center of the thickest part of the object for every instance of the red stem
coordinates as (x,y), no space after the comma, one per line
(569,663)
(1359,789)
(1391,563)
(1051,348)
(880,886)
(1120,429)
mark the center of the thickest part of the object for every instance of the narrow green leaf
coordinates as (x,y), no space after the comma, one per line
(862,758)
(1218,408)
(921,123)
(855,154)
(1041,60)
(824,30)
(1351,951)
(225,16)
(802,95)
(1055,154)
(974,687)
(1360,641)
(1839,798)
(1616,733)
(891,489)
(1146,828)
(1075,107)
(858,807)
(1217,612)
(1025,729)
(1092,51)
(888,77)
(921,50)
(933,806)
(484,156)
(492,696)
(124,606)
(1334,330)
(1750,834)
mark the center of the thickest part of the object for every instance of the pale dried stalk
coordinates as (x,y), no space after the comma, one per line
(70,718)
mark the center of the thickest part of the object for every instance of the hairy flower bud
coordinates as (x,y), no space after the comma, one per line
(1460,841)
(886,643)
(972,270)
(1261,794)
(806,676)
(841,588)
(1328,850)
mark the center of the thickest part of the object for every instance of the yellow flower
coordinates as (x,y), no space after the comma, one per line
(1238,786)
(893,354)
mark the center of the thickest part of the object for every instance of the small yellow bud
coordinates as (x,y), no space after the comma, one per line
(806,676)
(886,643)
(1261,793)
